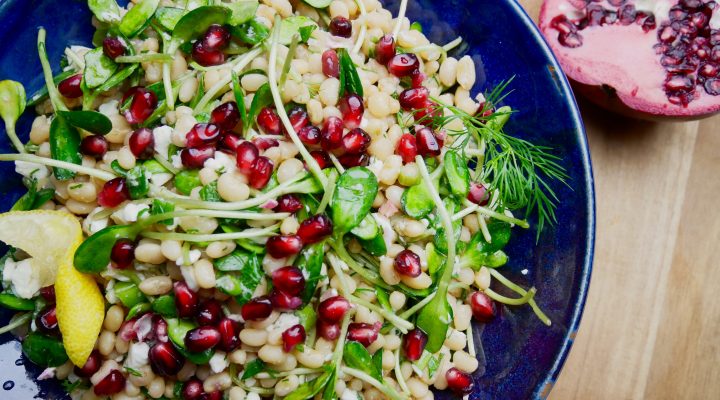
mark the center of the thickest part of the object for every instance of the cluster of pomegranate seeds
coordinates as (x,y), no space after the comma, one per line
(257,309)
(363,333)
(112,383)
(269,121)
(315,229)
(70,87)
(186,300)
(483,307)
(478,194)
(46,320)
(165,360)
(202,338)
(688,47)
(142,104)
(94,146)
(330,312)
(208,50)
(142,143)
(414,344)
(330,64)
(113,193)
(459,382)
(340,26)
(92,365)
(407,263)
(282,246)
(123,253)
(292,337)
(113,47)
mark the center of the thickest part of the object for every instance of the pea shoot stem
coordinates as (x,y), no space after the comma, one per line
(96,173)
(510,301)
(19,321)
(53,93)
(241,63)
(363,27)
(400,19)
(471,208)
(517,289)
(189,237)
(401,324)
(386,389)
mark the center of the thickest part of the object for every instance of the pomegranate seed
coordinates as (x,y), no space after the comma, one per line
(309,135)
(142,143)
(483,307)
(92,365)
(282,246)
(186,300)
(414,99)
(202,338)
(70,87)
(459,382)
(216,37)
(414,344)
(202,134)
(94,146)
(46,320)
(331,135)
(48,293)
(113,47)
(363,333)
(407,148)
(289,280)
(192,389)
(123,253)
(407,263)
(209,312)
(142,105)
(228,329)
(402,65)
(333,309)
(298,118)
(315,229)
(330,64)
(229,143)
(257,309)
(265,143)
(284,301)
(289,203)
(261,173)
(269,121)
(321,158)
(195,157)
(165,359)
(427,142)
(417,79)
(247,153)
(340,26)
(352,109)
(113,193)
(207,57)
(354,160)
(216,395)
(226,116)
(478,194)
(328,331)
(112,383)
(385,49)
(356,141)
(292,337)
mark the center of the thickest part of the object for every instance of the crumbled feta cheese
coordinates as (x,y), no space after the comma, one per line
(92,224)
(220,163)
(193,256)
(218,362)
(176,161)
(189,276)
(109,108)
(110,295)
(162,136)
(129,213)
(284,321)
(137,355)
(524,272)
(22,278)
(32,170)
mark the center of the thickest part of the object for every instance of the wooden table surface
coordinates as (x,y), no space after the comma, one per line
(651,328)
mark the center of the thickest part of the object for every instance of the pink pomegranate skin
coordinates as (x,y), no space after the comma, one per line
(617,65)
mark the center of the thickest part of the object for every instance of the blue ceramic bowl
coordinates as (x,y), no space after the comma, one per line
(520,357)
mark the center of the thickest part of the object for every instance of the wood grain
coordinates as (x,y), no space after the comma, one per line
(651,328)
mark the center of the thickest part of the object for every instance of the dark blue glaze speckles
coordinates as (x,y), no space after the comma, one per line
(523,357)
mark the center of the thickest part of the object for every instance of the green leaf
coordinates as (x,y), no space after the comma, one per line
(240,273)
(240,100)
(129,294)
(165,305)
(457,174)
(196,22)
(168,17)
(135,20)
(377,364)
(137,183)
(435,260)
(352,200)
(137,309)
(93,255)
(26,201)
(12,105)
(64,146)
(356,356)
(416,26)
(307,316)
(263,98)
(98,68)
(434,319)
(105,10)
(416,201)
(252,32)
(43,350)
(178,329)
(160,206)
(242,11)
(440,239)
(306,32)
(367,229)
(290,26)
(91,121)
(480,253)
(309,261)
(383,299)
(253,368)
(318,3)
(349,78)
(309,389)
(12,302)
(209,192)
(187,180)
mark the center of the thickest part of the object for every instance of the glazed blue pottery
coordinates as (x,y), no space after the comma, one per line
(520,357)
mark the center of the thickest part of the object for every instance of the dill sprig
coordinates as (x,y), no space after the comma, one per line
(520,171)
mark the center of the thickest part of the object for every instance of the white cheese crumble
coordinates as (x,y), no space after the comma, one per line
(218,362)
(137,356)
(129,213)
(283,323)
(110,108)
(33,170)
(162,136)
(176,161)
(21,277)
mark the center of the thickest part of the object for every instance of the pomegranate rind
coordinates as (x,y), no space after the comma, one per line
(620,74)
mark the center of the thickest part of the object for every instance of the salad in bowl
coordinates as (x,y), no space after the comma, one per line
(292,200)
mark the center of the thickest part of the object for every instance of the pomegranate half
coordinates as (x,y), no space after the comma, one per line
(650,59)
